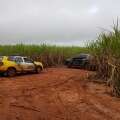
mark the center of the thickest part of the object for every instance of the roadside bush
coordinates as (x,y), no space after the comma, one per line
(107,51)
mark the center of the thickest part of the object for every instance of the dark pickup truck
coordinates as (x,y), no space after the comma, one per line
(84,61)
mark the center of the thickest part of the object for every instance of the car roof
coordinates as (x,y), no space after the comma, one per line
(10,56)
(16,56)
(82,55)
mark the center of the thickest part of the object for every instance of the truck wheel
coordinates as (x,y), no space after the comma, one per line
(11,72)
(86,66)
(69,65)
(38,69)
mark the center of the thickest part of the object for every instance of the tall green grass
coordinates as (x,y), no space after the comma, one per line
(106,49)
(49,55)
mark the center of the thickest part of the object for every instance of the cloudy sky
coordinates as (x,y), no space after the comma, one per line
(61,22)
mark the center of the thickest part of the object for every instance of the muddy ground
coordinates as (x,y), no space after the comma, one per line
(56,94)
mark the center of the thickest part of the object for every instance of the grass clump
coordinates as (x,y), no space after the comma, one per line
(106,49)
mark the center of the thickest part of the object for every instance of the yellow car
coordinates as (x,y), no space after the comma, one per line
(10,65)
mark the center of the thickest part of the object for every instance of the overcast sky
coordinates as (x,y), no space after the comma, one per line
(61,22)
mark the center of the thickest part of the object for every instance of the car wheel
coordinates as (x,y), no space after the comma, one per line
(69,65)
(11,72)
(86,66)
(38,69)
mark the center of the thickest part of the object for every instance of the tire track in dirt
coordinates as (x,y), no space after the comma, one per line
(69,113)
(96,104)
(106,109)
(63,95)
(60,108)
(102,110)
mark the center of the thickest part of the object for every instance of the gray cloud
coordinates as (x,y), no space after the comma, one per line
(62,22)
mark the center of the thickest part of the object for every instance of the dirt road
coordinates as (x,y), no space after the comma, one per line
(56,94)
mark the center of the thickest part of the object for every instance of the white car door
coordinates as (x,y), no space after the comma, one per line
(19,62)
(28,64)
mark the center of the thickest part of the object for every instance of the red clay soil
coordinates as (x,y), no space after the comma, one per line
(56,94)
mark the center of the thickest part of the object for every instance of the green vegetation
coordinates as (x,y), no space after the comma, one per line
(49,55)
(106,49)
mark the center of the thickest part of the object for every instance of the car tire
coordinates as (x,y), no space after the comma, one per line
(86,66)
(38,69)
(69,65)
(11,72)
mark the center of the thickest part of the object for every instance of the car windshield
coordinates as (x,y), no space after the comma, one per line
(82,56)
(27,60)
